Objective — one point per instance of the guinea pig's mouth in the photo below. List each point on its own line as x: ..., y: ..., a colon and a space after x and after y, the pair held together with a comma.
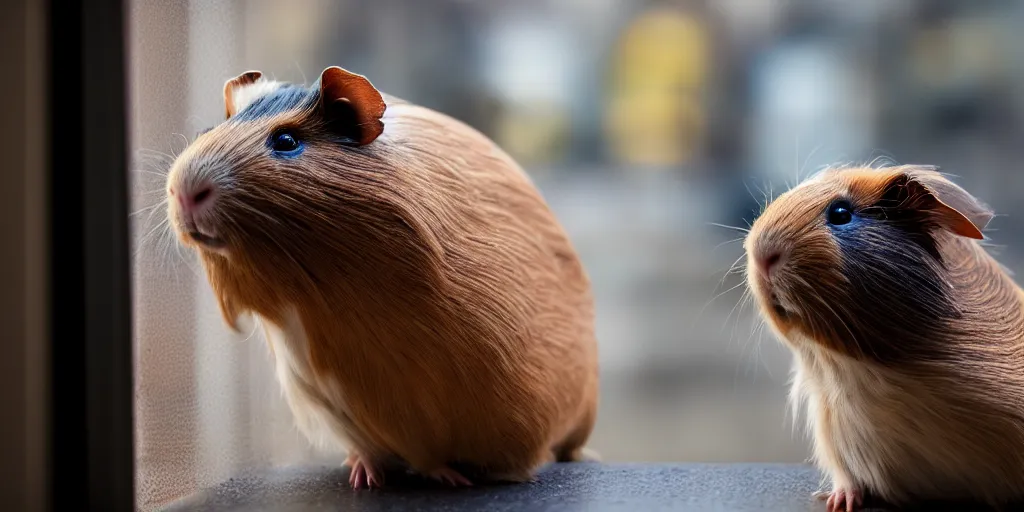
x: 206, y: 240
x: 779, y: 309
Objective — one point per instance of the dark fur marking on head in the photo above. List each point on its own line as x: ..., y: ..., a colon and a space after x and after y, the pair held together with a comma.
x: 898, y: 209
x: 896, y: 268
x: 898, y: 285
x: 285, y: 99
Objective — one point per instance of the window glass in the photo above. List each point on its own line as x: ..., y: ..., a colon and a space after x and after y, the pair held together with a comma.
x: 644, y: 124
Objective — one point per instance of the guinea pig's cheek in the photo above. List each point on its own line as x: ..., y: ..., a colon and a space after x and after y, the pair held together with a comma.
x: 778, y: 321
x: 181, y: 233
x: 778, y: 313
x: 221, y: 250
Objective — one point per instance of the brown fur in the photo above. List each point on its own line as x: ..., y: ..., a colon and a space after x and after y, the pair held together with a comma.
x: 908, y: 335
x: 447, y: 316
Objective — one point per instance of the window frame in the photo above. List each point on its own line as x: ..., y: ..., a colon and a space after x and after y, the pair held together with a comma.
x: 91, y: 430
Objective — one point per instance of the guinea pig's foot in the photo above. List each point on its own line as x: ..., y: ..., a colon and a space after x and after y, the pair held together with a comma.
x: 840, y: 500
x: 363, y: 474
x: 447, y: 475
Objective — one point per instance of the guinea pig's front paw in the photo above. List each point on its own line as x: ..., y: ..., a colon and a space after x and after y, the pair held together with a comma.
x: 364, y: 474
x: 842, y: 499
x: 449, y: 476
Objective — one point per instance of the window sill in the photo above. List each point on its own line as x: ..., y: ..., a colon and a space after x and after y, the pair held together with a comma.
x: 631, y: 487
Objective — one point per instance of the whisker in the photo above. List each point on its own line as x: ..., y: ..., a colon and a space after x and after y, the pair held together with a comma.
x: 185, y: 259
x: 184, y: 139
x: 760, y: 342
x: 713, y: 299
x: 149, y: 208
x: 170, y: 245
x: 731, y: 269
x: 299, y: 68
x: 148, y: 194
x: 737, y: 309
x: 726, y: 226
x: 727, y: 242
x: 763, y: 203
x: 152, y: 173
x: 739, y: 312
x: 751, y: 192
x: 256, y: 211
x: 740, y: 268
x: 144, y: 239
x: 153, y: 152
x: 810, y: 155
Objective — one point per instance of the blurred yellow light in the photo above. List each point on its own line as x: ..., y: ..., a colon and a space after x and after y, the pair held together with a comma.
x: 655, y: 115
x: 535, y: 136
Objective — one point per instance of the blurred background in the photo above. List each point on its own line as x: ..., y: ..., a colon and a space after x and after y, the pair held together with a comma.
x: 644, y: 123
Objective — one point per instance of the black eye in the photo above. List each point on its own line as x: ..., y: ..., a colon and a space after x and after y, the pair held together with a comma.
x: 285, y: 143
x: 839, y: 213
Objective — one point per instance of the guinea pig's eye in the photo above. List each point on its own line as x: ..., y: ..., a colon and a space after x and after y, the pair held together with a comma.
x: 285, y: 143
x: 839, y: 213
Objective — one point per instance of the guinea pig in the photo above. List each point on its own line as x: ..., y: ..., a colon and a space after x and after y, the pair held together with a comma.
x: 422, y: 304
x: 908, y: 337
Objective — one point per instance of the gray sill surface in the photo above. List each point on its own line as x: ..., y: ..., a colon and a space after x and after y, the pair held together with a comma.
x: 574, y: 486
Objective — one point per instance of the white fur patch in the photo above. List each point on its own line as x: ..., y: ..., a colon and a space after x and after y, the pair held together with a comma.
x: 892, y: 433
x: 315, y: 406
x: 245, y: 95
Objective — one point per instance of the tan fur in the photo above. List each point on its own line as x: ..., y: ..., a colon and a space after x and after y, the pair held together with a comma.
x: 936, y: 415
x: 422, y: 302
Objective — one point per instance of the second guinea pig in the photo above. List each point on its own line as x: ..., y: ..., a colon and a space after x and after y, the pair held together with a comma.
x: 423, y: 305
x: 908, y: 336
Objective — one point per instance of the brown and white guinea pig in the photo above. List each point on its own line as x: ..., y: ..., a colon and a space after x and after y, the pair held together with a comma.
x: 422, y: 304
x: 908, y: 336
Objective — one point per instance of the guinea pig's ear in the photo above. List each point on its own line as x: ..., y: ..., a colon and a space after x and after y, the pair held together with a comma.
x: 247, y: 78
x: 352, y: 107
x: 949, y: 205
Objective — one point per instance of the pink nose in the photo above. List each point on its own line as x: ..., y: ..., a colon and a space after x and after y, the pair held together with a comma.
x: 194, y: 199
